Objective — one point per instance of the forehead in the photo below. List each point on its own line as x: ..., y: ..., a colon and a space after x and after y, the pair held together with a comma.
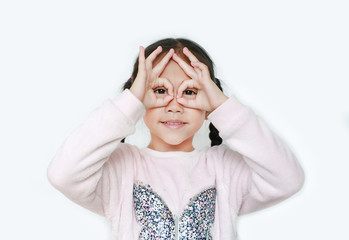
x: 174, y: 73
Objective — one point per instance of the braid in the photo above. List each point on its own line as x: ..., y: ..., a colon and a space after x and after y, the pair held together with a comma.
x: 214, y: 136
x: 214, y: 133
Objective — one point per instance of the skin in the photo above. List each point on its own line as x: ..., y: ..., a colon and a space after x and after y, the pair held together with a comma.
x: 177, y: 97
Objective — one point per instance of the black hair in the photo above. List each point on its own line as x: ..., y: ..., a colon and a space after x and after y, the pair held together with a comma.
x: 178, y: 44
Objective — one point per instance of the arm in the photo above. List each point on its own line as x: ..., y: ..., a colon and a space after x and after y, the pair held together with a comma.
x: 79, y: 168
x: 262, y: 169
x: 269, y: 172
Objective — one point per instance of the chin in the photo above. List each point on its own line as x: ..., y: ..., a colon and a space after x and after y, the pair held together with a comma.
x: 176, y: 141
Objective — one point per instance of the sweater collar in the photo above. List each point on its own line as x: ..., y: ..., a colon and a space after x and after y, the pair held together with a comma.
x: 169, y: 154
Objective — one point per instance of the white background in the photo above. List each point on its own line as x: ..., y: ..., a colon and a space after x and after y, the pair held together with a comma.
x: 288, y: 60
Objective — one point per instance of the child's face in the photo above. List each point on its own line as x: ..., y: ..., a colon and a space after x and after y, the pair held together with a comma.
x: 172, y: 127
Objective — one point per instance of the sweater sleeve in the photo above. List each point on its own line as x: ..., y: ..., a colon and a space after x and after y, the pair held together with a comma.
x: 262, y: 169
x: 80, y: 168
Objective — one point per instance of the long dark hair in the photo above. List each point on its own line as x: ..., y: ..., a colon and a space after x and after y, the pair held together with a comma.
x: 178, y: 44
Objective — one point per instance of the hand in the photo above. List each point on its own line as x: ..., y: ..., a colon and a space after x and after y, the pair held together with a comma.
x: 148, y: 87
x: 200, y: 91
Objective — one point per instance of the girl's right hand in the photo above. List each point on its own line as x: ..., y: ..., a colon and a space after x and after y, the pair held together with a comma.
x: 148, y: 87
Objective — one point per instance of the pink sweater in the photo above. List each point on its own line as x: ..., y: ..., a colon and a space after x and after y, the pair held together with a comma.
x: 146, y: 194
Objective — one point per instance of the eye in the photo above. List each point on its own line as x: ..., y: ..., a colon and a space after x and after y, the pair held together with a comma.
x: 189, y: 92
x: 160, y: 91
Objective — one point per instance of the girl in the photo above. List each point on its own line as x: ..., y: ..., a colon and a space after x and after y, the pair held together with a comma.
x: 169, y: 190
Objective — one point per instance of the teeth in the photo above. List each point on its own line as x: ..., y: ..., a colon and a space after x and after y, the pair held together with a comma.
x: 172, y: 123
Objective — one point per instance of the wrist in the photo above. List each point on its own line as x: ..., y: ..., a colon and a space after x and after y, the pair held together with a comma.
x: 129, y: 105
x: 136, y: 93
x: 218, y: 101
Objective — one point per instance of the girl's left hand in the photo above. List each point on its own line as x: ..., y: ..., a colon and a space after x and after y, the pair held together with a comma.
x: 203, y: 93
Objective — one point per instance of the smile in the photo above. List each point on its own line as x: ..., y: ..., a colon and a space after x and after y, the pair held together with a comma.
x: 174, y: 124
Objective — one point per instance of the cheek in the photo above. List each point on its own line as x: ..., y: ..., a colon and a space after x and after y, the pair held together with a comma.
x: 147, y: 118
x: 151, y: 116
x: 199, y: 117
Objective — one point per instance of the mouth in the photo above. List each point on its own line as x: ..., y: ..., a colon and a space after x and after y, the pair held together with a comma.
x: 173, y: 124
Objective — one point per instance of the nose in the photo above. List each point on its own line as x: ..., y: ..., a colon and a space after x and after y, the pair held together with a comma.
x: 174, y: 107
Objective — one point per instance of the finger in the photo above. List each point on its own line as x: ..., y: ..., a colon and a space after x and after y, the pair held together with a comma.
x: 152, y: 56
x: 182, y: 101
x: 167, y: 84
x: 190, y: 55
x: 189, y: 103
x: 186, y: 67
x: 141, y: 59
x: 185, y: 85
x: 162, y: 82
x: 200, y: 66
x: 162, y: 64
x: 162, y: 101
x: 197, y: 70
x: 194, y: 61
x: 167, y: 99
